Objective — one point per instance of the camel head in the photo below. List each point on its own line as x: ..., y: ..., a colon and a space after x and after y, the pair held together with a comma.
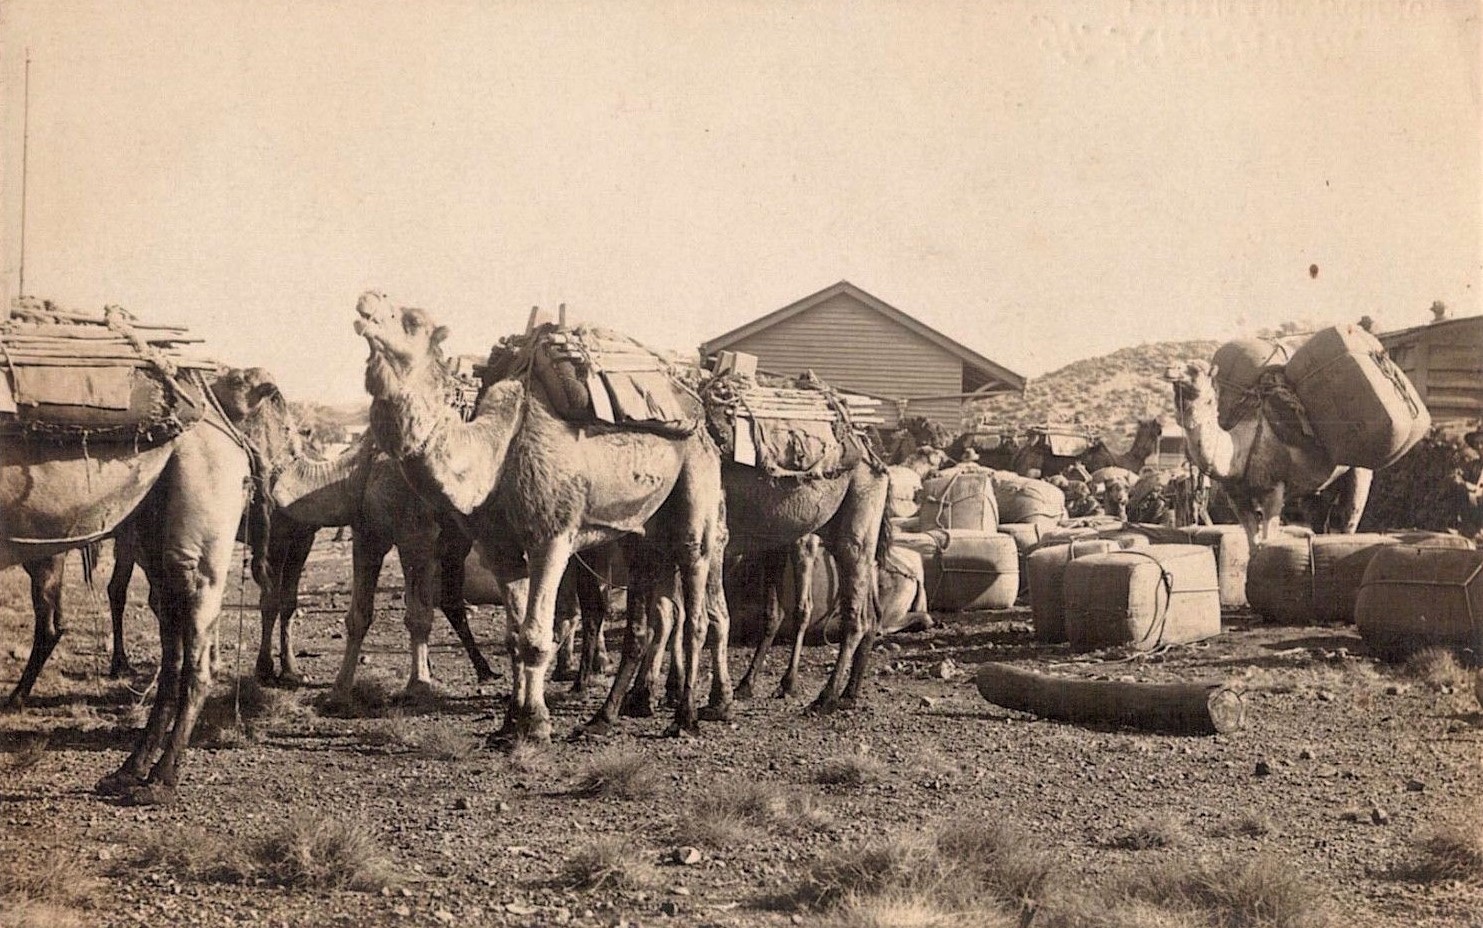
x: 404, y: 342
x: 1194, y: 389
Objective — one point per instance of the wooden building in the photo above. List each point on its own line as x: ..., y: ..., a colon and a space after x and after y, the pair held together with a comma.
x: 860, y: 343
x: 1444, y: 359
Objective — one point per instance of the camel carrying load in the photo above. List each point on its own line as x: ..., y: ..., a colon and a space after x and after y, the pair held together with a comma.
x: 789, y: 428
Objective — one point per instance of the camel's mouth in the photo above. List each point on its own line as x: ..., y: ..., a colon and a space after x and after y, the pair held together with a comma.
x: 371, y: 309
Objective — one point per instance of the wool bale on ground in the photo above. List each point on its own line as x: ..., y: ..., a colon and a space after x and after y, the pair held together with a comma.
x: 967, y: 570
x: 1143, y: 598
x: 1025, y: 500
x: 1416, y: 597
x: 1361, y: 406
x: 1302, y: 581
x: 962, y: 497
x: 1045, y: 570
x: 1232, y: 555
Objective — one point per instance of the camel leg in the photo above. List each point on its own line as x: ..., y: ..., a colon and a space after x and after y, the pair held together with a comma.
x: 453, y: 548
x: 1357, y: 496
x: 417, y: 616
x: 568, y: 665
x: 772, y: 564
x: 516, y: 594
x: 662, y: 613
x: 290, y: 571
x: 804, y: 557
x: 1271, y: 512
x: 537, y: 644
x: 854, y: 536
x: 46, y: 605
x: 718, y: 708
x: 132, y: 773
x: 366, y: 556
x: 118, y: 601
x: 694, y: 558
x: 592, y: 598
x: 637, y: 637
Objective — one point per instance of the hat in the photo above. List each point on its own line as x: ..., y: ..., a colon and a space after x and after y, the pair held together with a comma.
x: 1474, y: 439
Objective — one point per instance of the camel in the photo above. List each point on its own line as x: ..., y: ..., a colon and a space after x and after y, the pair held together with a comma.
x: 1261, y: 459
x: 186, y: 496
x: 531, y: 489
x: 1145, y: 443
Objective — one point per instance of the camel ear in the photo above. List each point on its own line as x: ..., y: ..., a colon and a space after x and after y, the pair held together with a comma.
x: 260, y: 393
x: 440, y: 333
x: 1214, y: 372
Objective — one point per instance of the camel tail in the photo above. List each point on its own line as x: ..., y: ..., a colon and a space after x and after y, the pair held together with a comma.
x: 885, y: 537
x: 90, y: 554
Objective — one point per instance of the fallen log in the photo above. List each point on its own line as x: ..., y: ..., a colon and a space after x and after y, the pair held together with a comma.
x: 1180, y: 708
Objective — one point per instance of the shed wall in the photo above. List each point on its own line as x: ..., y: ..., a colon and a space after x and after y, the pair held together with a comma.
x: 1445, y: 362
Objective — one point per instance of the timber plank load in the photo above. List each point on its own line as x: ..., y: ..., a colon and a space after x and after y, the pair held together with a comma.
x: 76, y: 378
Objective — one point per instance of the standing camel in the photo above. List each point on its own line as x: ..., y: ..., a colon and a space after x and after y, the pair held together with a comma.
x: 532, y: 489
x: 1262, y: 458
x: 1145, y: 443
x: 186, y: 496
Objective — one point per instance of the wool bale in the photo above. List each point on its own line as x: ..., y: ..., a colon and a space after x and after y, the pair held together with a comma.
x: 967, y: 570
x: 1416, y: 597
x: 963, y: 497
x: 1026, y: 535
x: 1302, y: 581
x: 1239, y: 364
x: 1126, y: 539
x: 1045, y: 570
x: 1025, y: 500
x: 1159, y: 534
x: 1143, y: 597
x: 1066, y: 533
x: 1434, y: 540
x: 1362, y: 407
x: 904, y: 499
x: 1232, y: 554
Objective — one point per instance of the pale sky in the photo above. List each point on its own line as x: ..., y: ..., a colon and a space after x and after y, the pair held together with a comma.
x: 1043, y: 181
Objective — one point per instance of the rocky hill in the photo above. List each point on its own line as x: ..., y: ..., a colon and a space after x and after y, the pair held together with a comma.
x: 1108, y: 394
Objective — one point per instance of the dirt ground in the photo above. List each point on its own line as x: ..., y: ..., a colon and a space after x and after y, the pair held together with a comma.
x: 1342, y: 766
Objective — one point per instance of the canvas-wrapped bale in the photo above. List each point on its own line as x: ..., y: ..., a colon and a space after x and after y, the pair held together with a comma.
x: 1417, y: 597
x: 1026, y: 500
x: 1361, y: 406
x: 1434, y: 540
x: 1232, y: 556
x: 1294, y: 580
x: 1045, y: 570
x: 902, y: 590
x: 967, y: 570
x: 1142, y: 598
x: 904, y: 500
x: 1239, y: 365
x: 962, y: 497
x: 1066, y: 533
x: 1159, y: 534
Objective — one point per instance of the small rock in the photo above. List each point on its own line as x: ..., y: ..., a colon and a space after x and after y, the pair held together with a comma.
x: 1394, y: 689
x: 501, y: 806
x: 669, y: 908
x: 461, y: 804
x: 1325, y: 696
x: 1415, y: 786
x: 687, y: 856
x: 1379, y: 816
x: 926, y: 702
x: 1263, y: 768
x: 444, y: 916
x: 521, y: 908
x: 945, y: 669
x: 402, y: 911
x: 1306, y: 754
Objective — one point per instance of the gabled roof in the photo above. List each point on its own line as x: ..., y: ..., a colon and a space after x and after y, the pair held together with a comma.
x: 966, y: 355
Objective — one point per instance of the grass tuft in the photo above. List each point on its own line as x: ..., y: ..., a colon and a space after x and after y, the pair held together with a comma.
x: 1001, y: 860
x: 528, y: 758
x: 46, y: 880
x: 889, y: 868
x: 850, y: 770
x: 1451, y: 851
x: 1438, y: 667
x: 1261, y: 891
x: 441, y: 742
x: 909, y: 911
x: 191, y: 853
x: 30, y: 750
x: 262, y: 709
x: 606, y: 863
x: 1156, y: 831
x: 617, y: 773
x: 321, y: 853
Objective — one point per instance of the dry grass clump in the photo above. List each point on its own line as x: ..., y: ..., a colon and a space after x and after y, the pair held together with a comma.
x: 25, y: 913
x: 1451, y: 851
x: 912, y: 912
x: 607, y: 863
x: 262, y: 709
x: 528, y: 758
x: 396, y: 731
x: 53, y: 881
x: 29, y: 750
x: 738, y: 812
x: 617, y: 773
x: 442, y: 742
x: 1249, y: 825
x: 307, y: 853
x: 1001, y: 860
x: 1262, y: 891
x: 1155, y: 831
x: 320, y: 853
x: 850, y: 770
x: 371, y: 696
x: 1438, y: 667
x: 890, y: 869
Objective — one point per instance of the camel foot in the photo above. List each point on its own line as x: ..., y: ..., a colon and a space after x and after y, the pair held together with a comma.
x: 595, y: 729
x: 291, y: 680
x: 563, y: 675
x: 263, y: 671
x: 533, y: 731
x: 743, y: 689
x: 826, y: 704
x: 147, y: 794
x: 121, y: 668
x: 486, y: 675
x: 638, y: 704
x: 786, y: 688
x: 118, y: 783
x: 678, y: 729
x: 416, y: 692
x: 719, y: 712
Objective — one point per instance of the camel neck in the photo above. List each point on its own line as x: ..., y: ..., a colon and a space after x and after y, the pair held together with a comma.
x: 1212, y: 448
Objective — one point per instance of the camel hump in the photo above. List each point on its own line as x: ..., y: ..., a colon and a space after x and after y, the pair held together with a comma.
x: 71, y: 378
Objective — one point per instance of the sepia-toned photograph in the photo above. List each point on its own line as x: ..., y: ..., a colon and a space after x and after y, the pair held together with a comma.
x: 744, y: 464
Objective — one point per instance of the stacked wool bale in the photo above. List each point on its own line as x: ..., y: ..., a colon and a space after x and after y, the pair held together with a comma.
x: 1414, y: 597
x: 1232, y: 558
x: 1142, y: 598
x: 968, y: 564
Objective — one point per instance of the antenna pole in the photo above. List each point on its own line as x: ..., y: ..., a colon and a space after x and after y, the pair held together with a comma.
x: 25, y: 146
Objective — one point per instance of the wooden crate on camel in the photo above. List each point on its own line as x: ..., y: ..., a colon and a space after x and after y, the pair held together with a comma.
x: 966, y: 569
x: 1415, y: 597
x: 1143, y: 598
x: 94, y: 401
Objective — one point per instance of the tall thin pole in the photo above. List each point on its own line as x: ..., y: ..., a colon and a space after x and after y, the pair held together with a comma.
x: 25, y: 146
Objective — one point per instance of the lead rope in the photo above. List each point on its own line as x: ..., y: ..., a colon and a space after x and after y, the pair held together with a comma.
x: 241, y: 609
